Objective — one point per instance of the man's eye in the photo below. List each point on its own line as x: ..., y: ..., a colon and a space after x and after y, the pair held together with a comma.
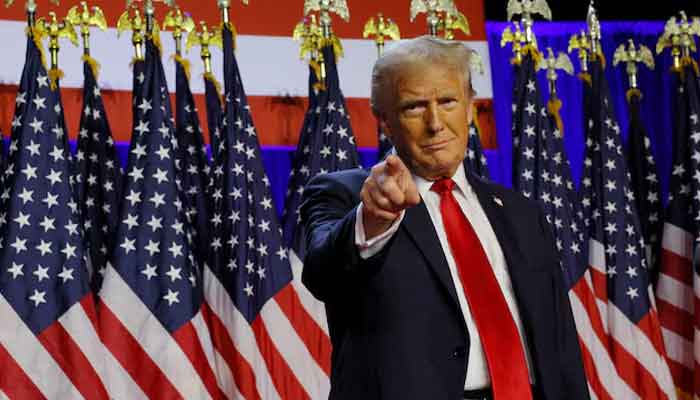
x: 414, y: 108
x: 448, y: 103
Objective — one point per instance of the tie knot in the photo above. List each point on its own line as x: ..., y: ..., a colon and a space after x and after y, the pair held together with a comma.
x: 443, y: 186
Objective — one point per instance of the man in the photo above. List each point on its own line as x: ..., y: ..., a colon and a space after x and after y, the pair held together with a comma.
x: 437, y: 285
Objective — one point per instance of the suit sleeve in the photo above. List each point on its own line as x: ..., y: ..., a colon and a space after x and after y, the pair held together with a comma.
x: 573, y: 375
x: 333, y: 267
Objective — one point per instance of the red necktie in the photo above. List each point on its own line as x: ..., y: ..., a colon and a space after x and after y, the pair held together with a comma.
x: 499, y: 336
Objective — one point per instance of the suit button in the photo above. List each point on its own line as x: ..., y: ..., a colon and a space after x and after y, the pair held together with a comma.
x: 459, y: 352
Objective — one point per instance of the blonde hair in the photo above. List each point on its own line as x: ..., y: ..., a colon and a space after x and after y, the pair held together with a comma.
x: 423, y: 51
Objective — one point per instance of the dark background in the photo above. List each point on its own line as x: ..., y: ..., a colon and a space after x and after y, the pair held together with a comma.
x: 563, y: 10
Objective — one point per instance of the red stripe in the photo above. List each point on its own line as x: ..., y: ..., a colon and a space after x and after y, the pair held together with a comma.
x: 283, y: 378
x: 696, y: 381
x: 682, y: 376
x: 278, y: 18
x: 14, y: 382
x: 243, y: 373
x: 133, y: 358
x: 585, y: 295
x: 675, y: 319
x: 188, y: 340
x: 72, y: 361
x: 278, y: 120
x: 651, y: 328
x: 315, y: 339
x: 592, y: 374
x: 677, y: 267
x: 634, y: 374
x: 88, y: 303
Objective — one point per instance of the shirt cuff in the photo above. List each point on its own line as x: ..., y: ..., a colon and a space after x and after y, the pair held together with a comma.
x: 369, y: 248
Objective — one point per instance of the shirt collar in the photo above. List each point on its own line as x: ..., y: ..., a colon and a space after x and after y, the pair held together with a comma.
x: 460, y: 179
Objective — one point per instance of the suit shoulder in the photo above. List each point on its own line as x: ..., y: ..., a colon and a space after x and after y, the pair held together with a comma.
x: 508, y: 195
x: 349, y: 179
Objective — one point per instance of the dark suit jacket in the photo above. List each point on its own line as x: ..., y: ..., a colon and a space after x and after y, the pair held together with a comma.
x: 395, y: 323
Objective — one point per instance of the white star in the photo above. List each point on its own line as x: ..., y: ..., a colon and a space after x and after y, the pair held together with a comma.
x: 16, y: 270
x: 41, y: 273
x: 134, y: 198
x: 29, y: 172
x: 19, y: 245
x: 47, y: 224
x: 23, y: 220
x: 160, y: 176
x: 136, y: 173
x: 44, y: 248
x: 175, y: 250
x: 632, y: 293
x: 177, y: 227
x: 37, y: 125
x: 145, y: 106
x: 66, y: 274
x: 149, y: 271
x: 155, y: 223
x: 40, y: 102
x: 163, y: 153
x: 174, y: 273
x: 50, y: 200
x: 128, y: 245
x: 69, y: 251
x: 325, y: 151
x: 139, y: 151
x: 282, y: 253
x: 71, y: 228
x: 632, y: 272
x: 157, y: 199
x: 54, y: 177
x: 153, y: 247
x: 33, y: 148
x: 171, y: 297
x: 248, y: 289
x: 38, y: 297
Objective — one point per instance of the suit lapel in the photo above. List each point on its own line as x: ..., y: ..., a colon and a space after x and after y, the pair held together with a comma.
x: 420, y: 228
x: 495, y: 209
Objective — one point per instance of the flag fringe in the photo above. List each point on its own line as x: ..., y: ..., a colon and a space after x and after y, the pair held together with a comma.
x: 94, y: 65
x: 55, y: 74
x: 185, y: 63
x: 553, y: 106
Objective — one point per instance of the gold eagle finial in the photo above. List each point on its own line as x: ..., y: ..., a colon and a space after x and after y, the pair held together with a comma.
x: 381, y: 28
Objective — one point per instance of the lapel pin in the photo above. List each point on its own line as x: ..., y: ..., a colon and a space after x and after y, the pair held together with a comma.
x: 498, y: 201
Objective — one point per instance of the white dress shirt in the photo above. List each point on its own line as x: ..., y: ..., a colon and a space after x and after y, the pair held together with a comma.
x: 477, y: 369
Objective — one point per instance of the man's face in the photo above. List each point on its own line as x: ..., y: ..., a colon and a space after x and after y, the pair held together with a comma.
x: 428, y: 120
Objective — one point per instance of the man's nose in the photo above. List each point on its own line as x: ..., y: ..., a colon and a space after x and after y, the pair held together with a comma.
x: 433, y: 118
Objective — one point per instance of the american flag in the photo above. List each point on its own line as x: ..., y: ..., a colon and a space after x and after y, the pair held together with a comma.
x: 99, y: 175
x: 544, y: 173
x: 259, y: 328
x: 49, y: 345
x: 645, y: 181
x: 191, y: 160
x: 620, y: 277
x: 678, y: 284
x: 213, y: 105
x: 2, y: 160
x: 150, y: 314
x: 476, y: 160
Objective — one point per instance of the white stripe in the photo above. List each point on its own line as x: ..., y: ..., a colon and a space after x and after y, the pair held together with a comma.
x: 294, y: 351
x: 600, y: 305
x: 678, y: 348
x: 677, y: 241
x: 591, y: 394
x: 223, y: 376
x: 609, y: 379
x: 204, y: 337
x: 269, y: 65
x: 676, y: 293
x: 76, y: 322
x: 240, y: 332
x: 151, y: 336
x: 32, y: 357
x: 596, y: 256
x: 3, y: 396
x: 314, y: 307
x: 636, y: 343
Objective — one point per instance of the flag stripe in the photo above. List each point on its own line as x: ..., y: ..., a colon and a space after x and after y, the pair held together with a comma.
x: 315, y: 339
x: 678, y: 348
x: 284, y: 379
x: 313, y: 307
x: 676, y: 320
x: 242, y: 337
x: 125, y: 348
x: 150, y: 335
x: 677, y: 294
x: 597, y: 342
x: 72, y: 360
x: 682, y: 376
x: 238, y: 367
x: 595, y: 386
x: 14, y: 382
x: 677, y: 240
x: 676, y: 267
x: 189, y: 342
x: 32, y: 357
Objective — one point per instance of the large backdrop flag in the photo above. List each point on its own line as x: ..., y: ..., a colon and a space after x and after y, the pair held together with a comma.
x: 677, y: 287
x: 191, y: 160
x: 49, y: 347
x: 616, y: 255
x: 99, y: 175
x: 476, y: 160
x: 150, y: 313
x: 266, y: 343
